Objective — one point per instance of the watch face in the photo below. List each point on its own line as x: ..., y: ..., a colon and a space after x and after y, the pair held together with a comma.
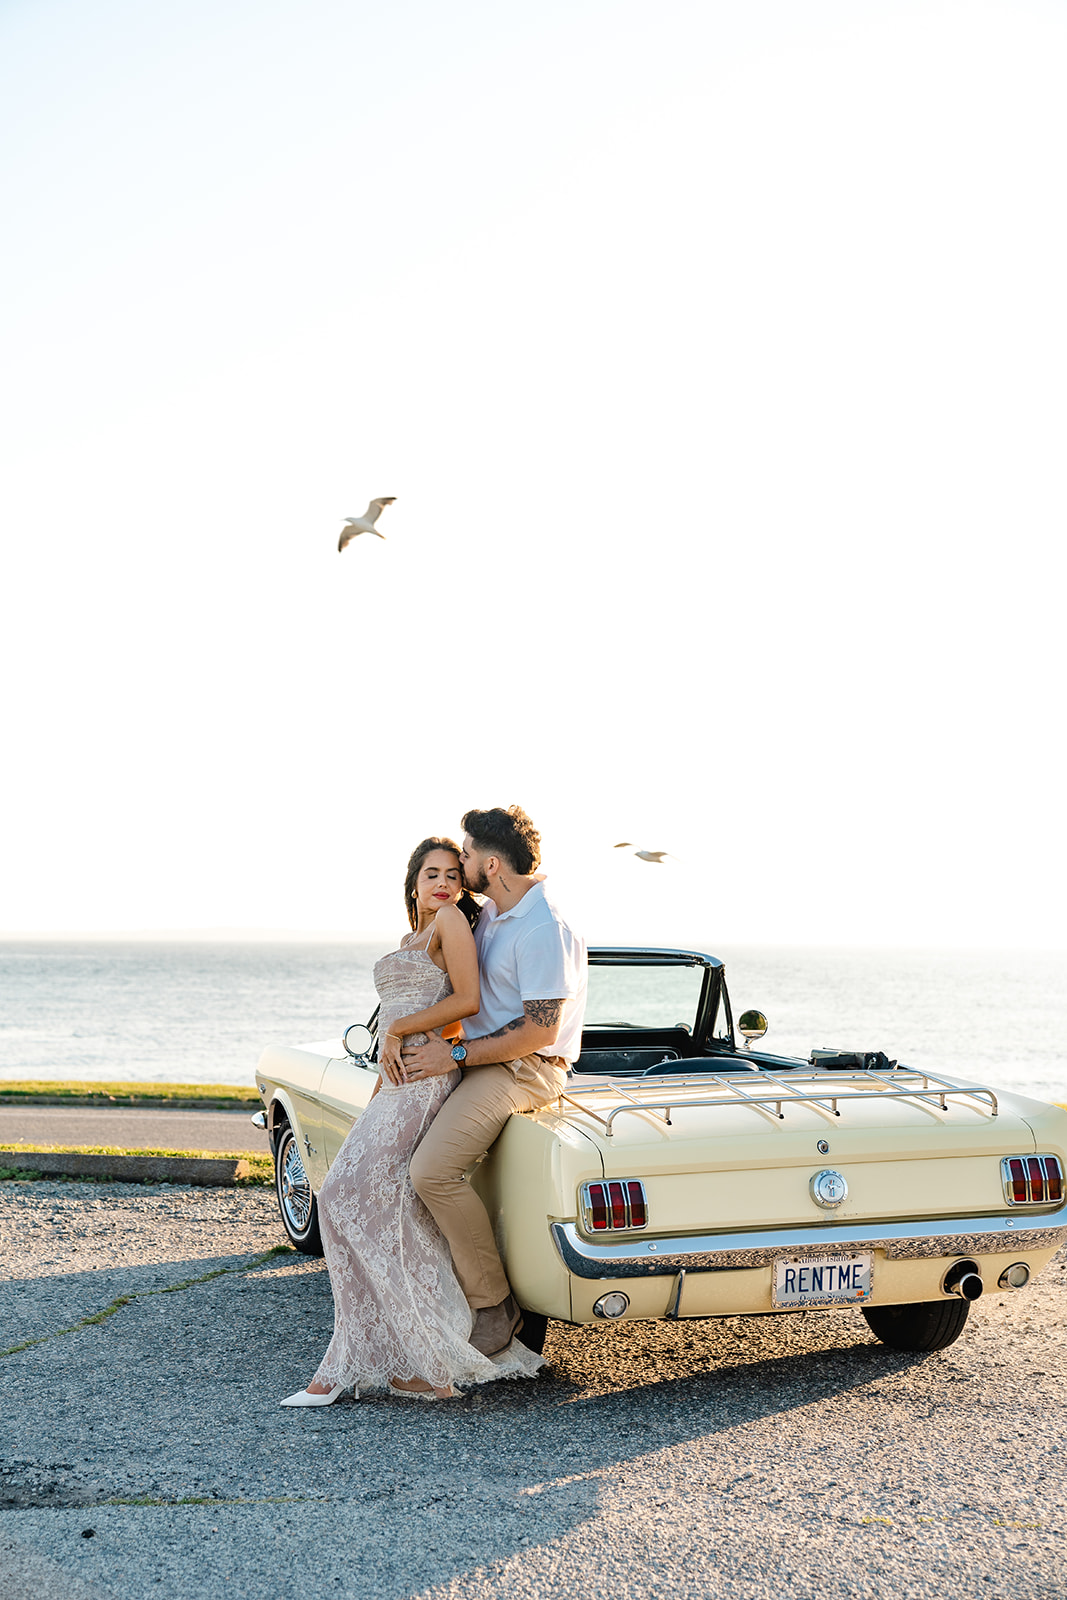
x: 459, y: 1052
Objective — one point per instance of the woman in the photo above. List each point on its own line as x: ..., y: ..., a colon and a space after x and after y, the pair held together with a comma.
x: 401, y: 1321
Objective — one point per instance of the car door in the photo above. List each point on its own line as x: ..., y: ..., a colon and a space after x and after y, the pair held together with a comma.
x: 344, y: 1092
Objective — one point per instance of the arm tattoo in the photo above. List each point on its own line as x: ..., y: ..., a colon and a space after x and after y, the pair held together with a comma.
x: 546, y: 1013
x: 509, y: 1027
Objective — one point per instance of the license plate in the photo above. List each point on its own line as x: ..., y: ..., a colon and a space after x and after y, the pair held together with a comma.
x: 823, y: 1280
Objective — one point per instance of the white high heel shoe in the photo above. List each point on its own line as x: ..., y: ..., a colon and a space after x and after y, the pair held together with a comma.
x: 302, y: 1398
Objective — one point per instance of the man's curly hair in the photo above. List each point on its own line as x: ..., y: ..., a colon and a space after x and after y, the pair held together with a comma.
x: 509, y: 834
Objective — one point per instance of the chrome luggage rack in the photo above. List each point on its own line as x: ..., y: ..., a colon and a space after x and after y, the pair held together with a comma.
x: 928, y: 1090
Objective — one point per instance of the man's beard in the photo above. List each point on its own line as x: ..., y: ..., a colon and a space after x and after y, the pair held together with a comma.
x: 477, y: 883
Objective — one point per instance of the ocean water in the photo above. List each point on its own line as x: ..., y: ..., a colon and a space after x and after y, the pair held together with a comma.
x: 201, y: 1013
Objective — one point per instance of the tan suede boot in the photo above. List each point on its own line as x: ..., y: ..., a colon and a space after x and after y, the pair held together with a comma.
x: 496, y: 1326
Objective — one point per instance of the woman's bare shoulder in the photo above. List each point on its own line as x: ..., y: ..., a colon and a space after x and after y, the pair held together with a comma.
x: 452, y: 925
x: 451, y: 916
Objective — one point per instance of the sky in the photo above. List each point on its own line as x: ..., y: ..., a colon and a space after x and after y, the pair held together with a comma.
x: 714, y: 355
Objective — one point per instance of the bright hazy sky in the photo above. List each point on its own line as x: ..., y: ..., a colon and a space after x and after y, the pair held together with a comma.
x: 715, y: 354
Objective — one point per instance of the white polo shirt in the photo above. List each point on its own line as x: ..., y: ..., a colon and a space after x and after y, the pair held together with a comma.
x: 530, y: 953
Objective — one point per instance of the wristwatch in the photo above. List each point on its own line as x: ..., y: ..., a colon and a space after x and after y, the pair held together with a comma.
x: 459, y: 1054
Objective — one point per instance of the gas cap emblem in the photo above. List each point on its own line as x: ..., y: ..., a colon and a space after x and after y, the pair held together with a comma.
x: 828, y: 1189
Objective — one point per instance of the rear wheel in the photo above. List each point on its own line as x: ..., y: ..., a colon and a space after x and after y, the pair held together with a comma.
x: 296, y: 1198
x: 931, y: 1325
x: 533, y: 1331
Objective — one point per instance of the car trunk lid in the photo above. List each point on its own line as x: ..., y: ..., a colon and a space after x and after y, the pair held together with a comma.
x: 732, y: 1162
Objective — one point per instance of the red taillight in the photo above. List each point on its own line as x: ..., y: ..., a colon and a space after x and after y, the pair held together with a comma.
x: 638, y: 1214
x: 598, y: 1205
x: 617, y: 1197
x: 1033, y: 1180
x: 1037, y: 1179
x: 615, y: 1206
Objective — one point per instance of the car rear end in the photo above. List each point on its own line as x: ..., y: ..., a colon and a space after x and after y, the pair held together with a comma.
x: 723, y: 1197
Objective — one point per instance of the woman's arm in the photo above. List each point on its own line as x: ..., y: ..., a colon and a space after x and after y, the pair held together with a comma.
x: 461, y: 963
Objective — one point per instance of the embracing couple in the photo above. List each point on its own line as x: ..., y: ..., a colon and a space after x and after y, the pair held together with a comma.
x: 421, y: 1302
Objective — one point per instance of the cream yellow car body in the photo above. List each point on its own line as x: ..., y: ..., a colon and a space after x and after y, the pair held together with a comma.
x: 728, y: 1181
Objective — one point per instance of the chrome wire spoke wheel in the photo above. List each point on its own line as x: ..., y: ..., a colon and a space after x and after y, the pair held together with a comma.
x: 296, y: 1197
x: 295, y: 1188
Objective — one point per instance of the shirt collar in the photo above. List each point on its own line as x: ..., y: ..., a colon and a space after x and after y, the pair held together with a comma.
x: 525, y: 905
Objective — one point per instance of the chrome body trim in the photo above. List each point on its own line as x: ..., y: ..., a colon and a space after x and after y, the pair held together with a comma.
x: 730, y: 1252
x: 673, y: 1311
x: 1043, y: 1163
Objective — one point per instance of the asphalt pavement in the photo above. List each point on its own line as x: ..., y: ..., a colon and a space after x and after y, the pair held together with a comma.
x: 131, y: 1128
x: 145, y: 1454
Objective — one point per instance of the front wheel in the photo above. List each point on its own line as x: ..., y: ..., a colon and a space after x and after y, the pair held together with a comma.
x: 930, y: 1325
x: 296, y: 1198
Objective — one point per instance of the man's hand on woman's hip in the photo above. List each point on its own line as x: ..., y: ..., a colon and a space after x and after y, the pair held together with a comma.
x: 430, y: 1060
x: 535, y: 1030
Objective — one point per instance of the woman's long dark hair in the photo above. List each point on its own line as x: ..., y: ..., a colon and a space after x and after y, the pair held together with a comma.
x: 469, y: 906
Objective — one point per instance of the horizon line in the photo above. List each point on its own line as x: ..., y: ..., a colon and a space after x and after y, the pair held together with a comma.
x: 239, y: 935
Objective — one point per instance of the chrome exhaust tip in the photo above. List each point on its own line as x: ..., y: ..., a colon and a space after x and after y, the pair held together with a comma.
x: 964, y: 1279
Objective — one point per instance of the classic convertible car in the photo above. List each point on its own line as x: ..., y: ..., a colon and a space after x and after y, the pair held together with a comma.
x: 683, y: 1175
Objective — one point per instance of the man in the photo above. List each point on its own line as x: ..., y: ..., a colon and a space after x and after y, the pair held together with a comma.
x: 515, y: 1057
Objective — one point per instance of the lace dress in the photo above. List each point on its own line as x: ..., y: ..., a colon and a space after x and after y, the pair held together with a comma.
x: 399, y: 1311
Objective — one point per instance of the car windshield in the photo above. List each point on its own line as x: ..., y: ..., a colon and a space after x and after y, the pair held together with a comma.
x: 643, y: 997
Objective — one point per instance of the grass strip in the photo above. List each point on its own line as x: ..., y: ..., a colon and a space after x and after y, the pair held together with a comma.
x: 219, y: 1096
x: 258, y: 1164
x: 98, y: 1317
x: 23, y: 1147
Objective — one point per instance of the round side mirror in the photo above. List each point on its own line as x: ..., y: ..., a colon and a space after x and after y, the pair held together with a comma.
x: 752, y: 1025
x: 357, y: 1041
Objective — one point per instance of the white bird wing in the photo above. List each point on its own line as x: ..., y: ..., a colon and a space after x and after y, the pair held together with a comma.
x: 374, y: 510
x: 658, y: 856
x: 356, y: 526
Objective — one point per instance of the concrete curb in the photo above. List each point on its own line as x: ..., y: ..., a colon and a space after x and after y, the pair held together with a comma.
x: 202, y: 1170
x: 108, y: 1102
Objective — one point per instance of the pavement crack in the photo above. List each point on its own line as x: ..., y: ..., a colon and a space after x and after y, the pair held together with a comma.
x: 72, y: 1500
x: 99, y: 1317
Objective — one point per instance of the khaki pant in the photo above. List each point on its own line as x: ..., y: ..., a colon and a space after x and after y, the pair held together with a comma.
x: 462, y: 1131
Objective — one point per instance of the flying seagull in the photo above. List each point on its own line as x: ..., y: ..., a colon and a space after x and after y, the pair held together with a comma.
x: 354, y: 526
x: 656, y: 856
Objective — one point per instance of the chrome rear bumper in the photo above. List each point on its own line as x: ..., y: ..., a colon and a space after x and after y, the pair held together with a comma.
x: 731, y: 1252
